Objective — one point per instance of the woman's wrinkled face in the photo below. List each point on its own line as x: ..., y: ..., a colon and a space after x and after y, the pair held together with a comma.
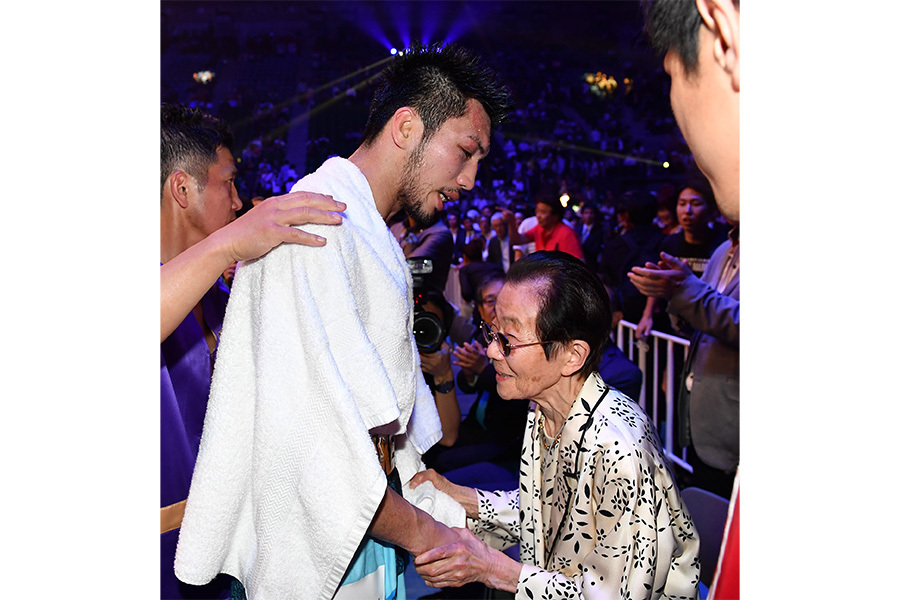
x: 526, y: 372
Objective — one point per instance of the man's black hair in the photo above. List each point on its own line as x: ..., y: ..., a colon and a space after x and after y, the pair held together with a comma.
x: 700, y: 184
x: 474, y: 249
x: 436, y: 81
x: 489, y: 279
x: 189, y: 141
x: 674, y: 25
x: 641, y: 206
x: 549, y: 195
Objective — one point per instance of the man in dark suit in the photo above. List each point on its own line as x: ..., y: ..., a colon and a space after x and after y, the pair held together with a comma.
x: 475, y: 270
x: 637, y: 246
x: 458, y: 234
x: 500, y: 248
x: 590, y: 235
x: 708, y: 307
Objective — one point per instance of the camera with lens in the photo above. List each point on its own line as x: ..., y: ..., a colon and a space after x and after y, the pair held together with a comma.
x: 430, y: 311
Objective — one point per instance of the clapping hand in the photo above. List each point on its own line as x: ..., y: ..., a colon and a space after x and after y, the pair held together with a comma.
x: 471, y: 358
x: 660, y: 280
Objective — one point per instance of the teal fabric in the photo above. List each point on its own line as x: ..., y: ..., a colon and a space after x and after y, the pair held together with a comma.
x: 373, y: 554
x: 480, y: 408
x: 369, y: 558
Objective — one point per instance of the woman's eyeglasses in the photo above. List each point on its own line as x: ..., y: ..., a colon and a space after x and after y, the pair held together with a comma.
x: 505, y: 347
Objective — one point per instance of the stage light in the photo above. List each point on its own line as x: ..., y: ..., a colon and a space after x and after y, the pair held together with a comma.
x: 601, y: 84
x: 666, y: 165
x: 204, y: 77
x: 393, y: 51
x: 565, y: 200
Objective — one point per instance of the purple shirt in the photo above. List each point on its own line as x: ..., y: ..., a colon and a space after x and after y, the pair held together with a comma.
x: 185, y: 375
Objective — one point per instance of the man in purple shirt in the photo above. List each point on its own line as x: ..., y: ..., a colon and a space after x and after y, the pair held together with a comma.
x: 199, y: 239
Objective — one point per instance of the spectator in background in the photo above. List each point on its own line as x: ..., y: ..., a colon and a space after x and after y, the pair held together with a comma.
x: 434, y: 242
x: 457, y: 233
x: 666, y: 215
x: 470, y: 226
x: 484, y: 226
x: 590, y: 235
x: 621, y: 219
x: 287, y: 175
x: 519, y: 217
x: 637, y: 245
x: 268, y: 184
x: 500, y: 247
x: 607, y: 215
x: 695, y: 242
x: 523, y: 224
x: 475, y: 270
x: 698, y: 236
x: 550, y: 233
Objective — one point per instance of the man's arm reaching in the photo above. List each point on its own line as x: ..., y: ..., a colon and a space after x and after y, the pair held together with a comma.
x: 187, y: 277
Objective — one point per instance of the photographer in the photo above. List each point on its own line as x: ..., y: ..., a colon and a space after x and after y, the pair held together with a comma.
x: 434, y: 242
x: 432, y: 320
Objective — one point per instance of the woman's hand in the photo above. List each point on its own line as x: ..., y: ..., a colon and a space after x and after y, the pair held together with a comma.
x: 466, y: 496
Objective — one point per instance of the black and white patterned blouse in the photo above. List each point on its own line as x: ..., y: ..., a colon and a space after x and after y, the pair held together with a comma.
x: 599, y: 514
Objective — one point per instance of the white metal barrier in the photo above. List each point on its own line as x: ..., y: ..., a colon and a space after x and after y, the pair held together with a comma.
x: 625, y: 340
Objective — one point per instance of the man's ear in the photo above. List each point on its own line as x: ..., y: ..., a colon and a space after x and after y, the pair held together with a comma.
x: 178, y: 183
x: 406, y: 128
x: 578, y: 352
x: 723, y: 19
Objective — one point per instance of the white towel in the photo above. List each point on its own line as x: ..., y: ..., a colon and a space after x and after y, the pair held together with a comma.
x: 316, y: 350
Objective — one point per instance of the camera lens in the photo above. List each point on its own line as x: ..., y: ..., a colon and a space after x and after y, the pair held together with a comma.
x: 428, y: 331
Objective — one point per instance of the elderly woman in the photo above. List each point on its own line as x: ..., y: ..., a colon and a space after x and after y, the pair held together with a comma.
x: 597, y: 512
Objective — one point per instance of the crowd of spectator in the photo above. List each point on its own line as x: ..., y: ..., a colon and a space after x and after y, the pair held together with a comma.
x: 593, y: 146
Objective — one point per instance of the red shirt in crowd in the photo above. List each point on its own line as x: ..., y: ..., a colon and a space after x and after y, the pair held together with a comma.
x: 561, y: 237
